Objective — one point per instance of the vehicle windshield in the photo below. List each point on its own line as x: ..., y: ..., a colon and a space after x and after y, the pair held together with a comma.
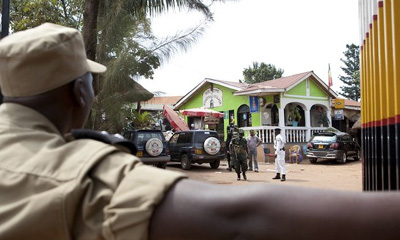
x: 322, y: 138
x: 203, y: 136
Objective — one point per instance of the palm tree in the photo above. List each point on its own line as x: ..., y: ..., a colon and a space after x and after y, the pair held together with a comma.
x: 124, y: 25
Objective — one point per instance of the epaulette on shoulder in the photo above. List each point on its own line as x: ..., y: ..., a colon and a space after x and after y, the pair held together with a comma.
x: 104, y: 137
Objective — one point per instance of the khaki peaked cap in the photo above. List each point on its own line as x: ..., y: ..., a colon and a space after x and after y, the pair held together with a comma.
x: 41, y: 59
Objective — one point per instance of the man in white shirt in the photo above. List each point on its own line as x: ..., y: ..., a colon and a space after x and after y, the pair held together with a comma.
x: 279, y: 145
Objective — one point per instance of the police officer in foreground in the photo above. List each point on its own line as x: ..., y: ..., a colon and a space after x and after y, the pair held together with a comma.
x: 279, y: 146
x: 58, y: 187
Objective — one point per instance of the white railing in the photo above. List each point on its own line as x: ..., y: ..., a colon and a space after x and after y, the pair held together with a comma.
x: 292, y: 134
x: 296, y: 134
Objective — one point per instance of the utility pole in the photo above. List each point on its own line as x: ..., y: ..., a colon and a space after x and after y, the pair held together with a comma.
x: 5, y: 25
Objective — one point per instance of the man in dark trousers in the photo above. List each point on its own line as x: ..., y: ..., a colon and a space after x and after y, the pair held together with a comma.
x: 239, y: 151
x: 227, y: 147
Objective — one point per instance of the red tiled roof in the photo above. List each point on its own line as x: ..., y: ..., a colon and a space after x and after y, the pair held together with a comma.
x: 169, y: 100
x: 349, y: 102
x: 280, y: 83
x: 234, y: 84
x: 284, y: 82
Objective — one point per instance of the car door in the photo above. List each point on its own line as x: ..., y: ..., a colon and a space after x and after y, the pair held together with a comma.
x: 184, y: 144
x: 172, y: 145
x: 348, y: 146
x: 352, y: 145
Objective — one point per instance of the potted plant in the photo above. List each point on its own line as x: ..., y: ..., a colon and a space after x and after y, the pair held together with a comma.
x: 323, y: 119
x: 295, y: 115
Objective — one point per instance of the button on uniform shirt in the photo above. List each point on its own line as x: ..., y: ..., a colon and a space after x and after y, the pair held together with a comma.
x: 83, y: 189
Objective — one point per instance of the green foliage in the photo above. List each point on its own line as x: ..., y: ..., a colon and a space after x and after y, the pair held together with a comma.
x: 323, y: 118
x: 261, y: 72
x: 25, y: 14
x: 294, y: 114
x: 117, y: 33
x: 351, y: 80
x: 139, y: 120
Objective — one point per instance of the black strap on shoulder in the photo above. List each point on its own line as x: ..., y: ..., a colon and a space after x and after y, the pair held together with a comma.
x: 104, y: 137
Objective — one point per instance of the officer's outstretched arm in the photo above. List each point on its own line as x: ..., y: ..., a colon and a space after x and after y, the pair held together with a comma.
x: 197, y: 210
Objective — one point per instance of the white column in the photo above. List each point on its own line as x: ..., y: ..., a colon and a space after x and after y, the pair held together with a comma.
x: 282, y: 121
x: 328, y: 115
x: 308, y: 123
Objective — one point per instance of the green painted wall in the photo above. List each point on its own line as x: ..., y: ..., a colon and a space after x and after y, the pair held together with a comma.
x: 270, y: 99
x: 299, y: 89
x: 230, y: 102
x: 315, y: 91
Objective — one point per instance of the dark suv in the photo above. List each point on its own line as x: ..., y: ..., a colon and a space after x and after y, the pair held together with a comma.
x: 330, y: 145
x: 196, y: 146
x: 151, y: 146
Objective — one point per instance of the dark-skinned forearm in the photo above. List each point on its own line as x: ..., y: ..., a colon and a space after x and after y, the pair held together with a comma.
x: 194, y: 210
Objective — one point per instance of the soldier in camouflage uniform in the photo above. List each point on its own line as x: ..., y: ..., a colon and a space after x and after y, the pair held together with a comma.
x: 238, y: 148
x: 231, y: 129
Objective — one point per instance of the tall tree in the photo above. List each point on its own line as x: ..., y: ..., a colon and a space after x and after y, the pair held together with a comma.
x: 25, y: 14
x: 261, y: 72
x: 126, y: 45
x: 117, y: 33
x: 351, y: 89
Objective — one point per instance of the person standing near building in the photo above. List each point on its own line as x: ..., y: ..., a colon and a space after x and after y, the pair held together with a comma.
x: 253, y: 142
x: 228, y: 153
x: 279, y: 145
x: 239, y: 152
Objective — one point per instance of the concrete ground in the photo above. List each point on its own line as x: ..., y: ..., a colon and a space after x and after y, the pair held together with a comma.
x: 324, y: 174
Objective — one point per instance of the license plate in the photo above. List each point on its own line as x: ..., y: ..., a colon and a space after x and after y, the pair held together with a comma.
x: 320, y: 146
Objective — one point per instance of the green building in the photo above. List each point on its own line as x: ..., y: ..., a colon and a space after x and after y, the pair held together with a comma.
x: 300, y: 105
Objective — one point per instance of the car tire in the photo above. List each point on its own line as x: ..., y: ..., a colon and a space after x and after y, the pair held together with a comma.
x: 343, y: 159
x: 358, y: 156
x: 212, y: 145
x: 185, y: 162
x: 313, y: 160
x: 215, y: 164
x: 154, y: 147
x: 162, y: 165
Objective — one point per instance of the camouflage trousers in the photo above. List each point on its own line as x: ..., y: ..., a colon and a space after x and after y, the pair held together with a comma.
x: 239, y: 163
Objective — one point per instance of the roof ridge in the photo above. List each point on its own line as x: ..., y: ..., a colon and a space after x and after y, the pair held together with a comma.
x: 267, y: 82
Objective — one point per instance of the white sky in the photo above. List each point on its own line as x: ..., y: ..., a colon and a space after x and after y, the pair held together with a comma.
x: 295, y: 35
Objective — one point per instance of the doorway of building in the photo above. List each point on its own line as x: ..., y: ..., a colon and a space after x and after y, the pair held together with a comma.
x: 274, y: 115
x: 244, y: 116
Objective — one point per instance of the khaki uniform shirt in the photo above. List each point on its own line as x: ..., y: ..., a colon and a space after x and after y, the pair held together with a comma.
x: 83, y: 189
